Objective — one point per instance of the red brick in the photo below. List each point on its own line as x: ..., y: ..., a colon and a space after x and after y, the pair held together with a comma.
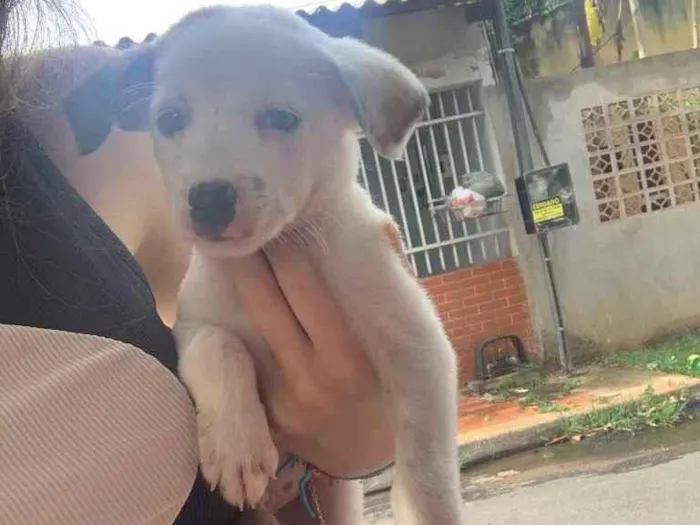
x: 465, y: 341
x: 467, y: 312
x: 467, y: 329
x: 440, y: 299
x: 515, y: 290
x: 451, y: 324
x: 516, y: 300
x: 502, y: 274
x: 443, y: 309
x: 522, y: 329
x: 519, y: 291
x: 468, y: 291
x: 497, y: 304
x: 440, y: 288
x: 510, y: 263
x: 456, y: 294
x: 457, y: 276
x: 509, y: 292
x: 519, y: 308
x: 478, y: 299
x: 499, y: 326
x: 458, y: 332
x: 469, y: 281
x: 514, y: 282
x: 486, y: 269
x: 479, y: 303
x: 471, y: 323
x: 450, y: 305
x: 483, y: 317
x: 482, y: 272
x: 434, y: 280
x: 521, y: 318
x: 492, y: 286
x: 435, y: 296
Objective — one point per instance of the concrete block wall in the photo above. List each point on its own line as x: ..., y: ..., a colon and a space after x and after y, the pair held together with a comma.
x: 479, y: 303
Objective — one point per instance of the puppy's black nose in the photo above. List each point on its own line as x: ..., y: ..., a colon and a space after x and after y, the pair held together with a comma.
x: 212, y: 207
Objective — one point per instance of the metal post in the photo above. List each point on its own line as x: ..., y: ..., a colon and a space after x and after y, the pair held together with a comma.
x: 584, y: 35
x: 506, y: 54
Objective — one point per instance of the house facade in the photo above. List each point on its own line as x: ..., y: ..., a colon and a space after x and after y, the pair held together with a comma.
x: 470, y: 268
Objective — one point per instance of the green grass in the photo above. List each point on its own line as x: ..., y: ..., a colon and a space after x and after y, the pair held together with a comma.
x: 650, y: 411
x: 673, y: 356
x: 534, y: 387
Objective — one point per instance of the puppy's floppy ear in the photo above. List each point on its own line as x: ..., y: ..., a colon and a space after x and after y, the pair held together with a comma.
x: 117, y: 93
x: 135, y: 91
x: 388, y: 98
x: 90, y: 109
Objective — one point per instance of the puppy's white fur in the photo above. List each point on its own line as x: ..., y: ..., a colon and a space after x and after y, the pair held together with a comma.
x: 221, y: 66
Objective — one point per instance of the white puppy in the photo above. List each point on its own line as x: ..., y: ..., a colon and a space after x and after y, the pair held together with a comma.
x: 254, y: 116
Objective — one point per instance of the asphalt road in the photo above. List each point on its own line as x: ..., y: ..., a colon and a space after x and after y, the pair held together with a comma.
x: 638, y: 481
x: 665, y: 494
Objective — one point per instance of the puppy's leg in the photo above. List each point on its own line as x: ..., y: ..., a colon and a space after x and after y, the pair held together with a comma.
x: 400, y: 329
x: 424, y: 392
x: 236, y: 449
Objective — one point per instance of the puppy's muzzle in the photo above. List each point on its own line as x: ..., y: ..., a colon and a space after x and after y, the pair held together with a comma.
x: 212, y: 207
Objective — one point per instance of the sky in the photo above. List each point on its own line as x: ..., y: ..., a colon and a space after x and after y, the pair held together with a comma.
x: 113, y: 19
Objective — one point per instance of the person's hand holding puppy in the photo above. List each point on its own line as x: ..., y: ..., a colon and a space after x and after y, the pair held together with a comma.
x: 327, y: 392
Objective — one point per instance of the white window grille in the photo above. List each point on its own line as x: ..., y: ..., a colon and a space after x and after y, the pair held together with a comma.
x: 451, y: 141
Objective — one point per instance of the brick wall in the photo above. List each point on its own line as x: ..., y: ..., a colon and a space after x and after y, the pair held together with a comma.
x: 476, y: 304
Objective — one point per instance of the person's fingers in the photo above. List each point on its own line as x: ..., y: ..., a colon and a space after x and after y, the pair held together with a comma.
x: 314, y: 307
x: 267, y: 307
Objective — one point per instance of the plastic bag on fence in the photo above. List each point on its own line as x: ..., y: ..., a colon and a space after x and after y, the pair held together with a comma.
x: 468, y: 203
x: 484, y: 183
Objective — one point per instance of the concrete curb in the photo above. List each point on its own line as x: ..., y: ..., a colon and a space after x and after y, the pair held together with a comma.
x: 495, y: 447
x: 483, y: 450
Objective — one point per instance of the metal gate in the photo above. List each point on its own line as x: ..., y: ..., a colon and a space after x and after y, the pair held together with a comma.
x: 450, y: 142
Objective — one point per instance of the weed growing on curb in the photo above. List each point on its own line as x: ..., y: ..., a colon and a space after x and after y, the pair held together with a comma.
x: 650, y: 411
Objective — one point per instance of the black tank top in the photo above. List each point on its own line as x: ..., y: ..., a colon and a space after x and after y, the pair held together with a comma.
x: 62, y: 268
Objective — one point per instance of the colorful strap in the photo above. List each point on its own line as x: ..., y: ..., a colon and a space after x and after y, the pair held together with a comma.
x: 307, y: 490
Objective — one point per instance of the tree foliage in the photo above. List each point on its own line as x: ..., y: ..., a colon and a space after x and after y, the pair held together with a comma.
x: 519, y: 11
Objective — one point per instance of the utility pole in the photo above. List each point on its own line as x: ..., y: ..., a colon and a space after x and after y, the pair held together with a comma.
x: 584, y: 35
x: 694, y: 22
x: 506, y: 55
x: 634, y: 13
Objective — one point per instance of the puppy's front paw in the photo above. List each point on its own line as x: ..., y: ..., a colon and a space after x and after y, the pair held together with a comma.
x: 238, y: 457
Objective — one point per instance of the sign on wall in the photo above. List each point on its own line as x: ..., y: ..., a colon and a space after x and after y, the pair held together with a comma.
x: 547, y: 199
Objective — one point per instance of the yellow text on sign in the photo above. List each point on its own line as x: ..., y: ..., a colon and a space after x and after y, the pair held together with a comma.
x: 549, y: 210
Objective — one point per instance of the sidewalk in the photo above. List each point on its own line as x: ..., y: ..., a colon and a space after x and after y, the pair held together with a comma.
x: 491, y: 429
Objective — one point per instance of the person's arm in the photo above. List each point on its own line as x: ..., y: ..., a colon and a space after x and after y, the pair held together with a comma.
x: 326, y: 383
x: 93, y: 431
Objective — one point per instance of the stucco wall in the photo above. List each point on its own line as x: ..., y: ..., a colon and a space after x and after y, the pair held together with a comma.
x: 625, y: 281
x: 439, y: 45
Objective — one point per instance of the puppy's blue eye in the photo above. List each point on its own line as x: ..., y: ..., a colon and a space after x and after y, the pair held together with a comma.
x: 278, y: 120
x: 171, y: 122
